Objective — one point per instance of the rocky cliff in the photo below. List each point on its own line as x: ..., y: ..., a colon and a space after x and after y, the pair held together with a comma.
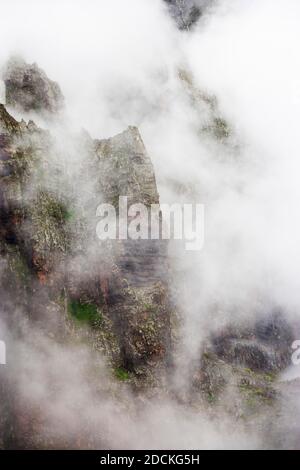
x: 29, y: 89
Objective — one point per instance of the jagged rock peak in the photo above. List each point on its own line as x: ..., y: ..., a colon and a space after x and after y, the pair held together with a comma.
x: 28, y: 88
x: 187, y: 12
x: 126, y: 168
x: 7, y: 122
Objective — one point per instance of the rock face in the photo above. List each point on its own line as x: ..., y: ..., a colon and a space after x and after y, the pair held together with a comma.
x: 187, y: 12
x: 266, y: 347
x: 114, y: 297
x: 129, y: 284
x: 243, y: 363
x: 119, y: 301
x: 28, y: 88
x: 126, y: 169
x: 137, y: 290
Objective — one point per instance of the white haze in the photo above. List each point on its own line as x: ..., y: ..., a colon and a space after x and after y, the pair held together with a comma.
x: 117, y: 64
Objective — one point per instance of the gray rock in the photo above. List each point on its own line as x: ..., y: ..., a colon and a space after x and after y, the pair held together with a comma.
x: 128, y: 279
x: 136, y: 288
x: 187, y: 12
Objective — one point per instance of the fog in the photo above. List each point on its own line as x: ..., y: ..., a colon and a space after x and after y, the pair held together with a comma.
x: 118, y: 64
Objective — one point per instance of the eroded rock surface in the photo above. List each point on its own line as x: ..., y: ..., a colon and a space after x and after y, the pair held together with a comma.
x: 113, y: 295
x: 187, y: 12
x: 265, y: 347
x: 129, y: 285
x: 119, y: 300
x: 28, y: 88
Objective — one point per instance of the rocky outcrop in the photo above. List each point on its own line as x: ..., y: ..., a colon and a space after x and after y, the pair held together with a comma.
x: 128, y: 281
x: 125, y: 169
x: 187, y: 12
x: 118, y: 303
x: 29, y: 89
x: 239, y: 367
x: 113, y: 295
x: 265, y: 347
x: 137, y: 288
